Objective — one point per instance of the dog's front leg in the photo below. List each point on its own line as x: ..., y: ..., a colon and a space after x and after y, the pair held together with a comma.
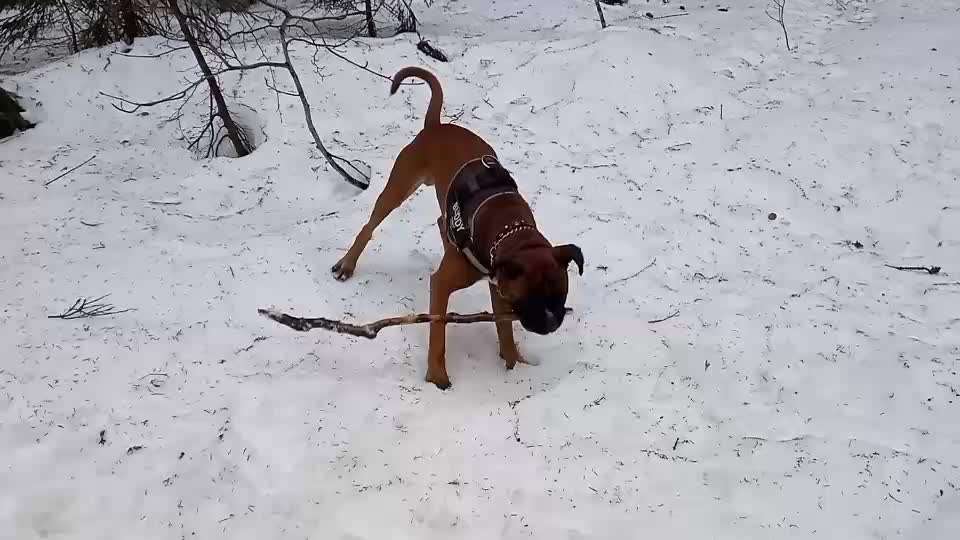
x: 508, y: 345
x: 453, y: 275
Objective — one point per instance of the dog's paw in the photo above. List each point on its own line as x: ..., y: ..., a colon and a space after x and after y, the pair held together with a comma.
x: 513, y: 359
x: 441, y: 381
x: 528, y: 361
x: 342, y: 271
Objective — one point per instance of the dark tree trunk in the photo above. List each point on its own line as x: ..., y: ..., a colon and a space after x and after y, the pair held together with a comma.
x: 233, y: 130
x: 129, y: 21
x: 368, y: 10
x: 73, y: 27
x: 603, y: 20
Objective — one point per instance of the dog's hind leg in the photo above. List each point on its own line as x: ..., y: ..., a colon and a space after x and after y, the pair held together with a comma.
x: 404, y: 180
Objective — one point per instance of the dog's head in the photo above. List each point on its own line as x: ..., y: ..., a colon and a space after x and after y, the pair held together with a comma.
x: 534, y: 282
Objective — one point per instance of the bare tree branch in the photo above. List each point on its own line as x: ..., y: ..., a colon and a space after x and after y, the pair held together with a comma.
x: 331, y: 159
x: 780, y: 6
x: 222, y: 44
x: 233, y: 130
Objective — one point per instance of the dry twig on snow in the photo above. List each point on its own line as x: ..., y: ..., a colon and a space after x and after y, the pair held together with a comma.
x: 370, y: 330
x: 932, y: 270
x: 635, y: 274
x: 667, y: 318
x: 69, y: 171
x: 84, y: 308
x: 671, y: 16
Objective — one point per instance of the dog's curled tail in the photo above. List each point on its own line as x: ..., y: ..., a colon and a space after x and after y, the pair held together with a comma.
x: 436, y: 93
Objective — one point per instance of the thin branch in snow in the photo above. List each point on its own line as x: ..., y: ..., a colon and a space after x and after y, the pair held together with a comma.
x: 635, y: 274
x: 932, y: 270
x: 154, y: 383
x: 84, y: 308
x: 764, y: 439
x: 363, y: 67
x: 137, y: 105
x: 669, y: 16
x: 516, y: 417
x: 595, y: 402
x: 667, y: 318
x: 428, y: 49
x: 160, y: 54
x: 704, y: 277
x: 665, y: 457
x: 70, y: 171
x: 708, y: 219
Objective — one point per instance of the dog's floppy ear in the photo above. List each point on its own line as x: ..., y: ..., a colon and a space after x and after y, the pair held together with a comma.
x: 569, y: 252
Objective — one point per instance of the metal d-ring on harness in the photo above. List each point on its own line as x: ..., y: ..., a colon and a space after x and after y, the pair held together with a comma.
x: 476, y: 183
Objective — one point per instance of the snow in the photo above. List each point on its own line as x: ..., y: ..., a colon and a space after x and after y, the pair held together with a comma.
x: 803, y: 390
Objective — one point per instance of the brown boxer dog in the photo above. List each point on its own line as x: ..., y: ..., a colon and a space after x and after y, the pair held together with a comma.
x: 487, y: 228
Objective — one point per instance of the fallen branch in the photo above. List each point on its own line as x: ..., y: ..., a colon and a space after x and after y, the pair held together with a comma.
x: 370, y: 330
x: 764, y: 439
x: 70, y: 171
x: 635, y: 274
x: 84, y: 308
x: 932, y: 270
x: 650, y: 16
x: 595, y: 402
x: 667, y: 318
x: 426, y: 48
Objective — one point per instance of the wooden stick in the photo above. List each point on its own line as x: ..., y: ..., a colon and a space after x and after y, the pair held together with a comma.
x: 370, y: 330
x: 70, y: 171
x: 667, y: 318
x: 671, y: 16
x: 932, y: 270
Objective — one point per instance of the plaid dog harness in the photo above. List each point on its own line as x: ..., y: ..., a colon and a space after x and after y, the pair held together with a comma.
x: 477, y: 182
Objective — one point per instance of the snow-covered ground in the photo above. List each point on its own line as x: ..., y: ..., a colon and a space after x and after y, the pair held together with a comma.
x: 803, y: 390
